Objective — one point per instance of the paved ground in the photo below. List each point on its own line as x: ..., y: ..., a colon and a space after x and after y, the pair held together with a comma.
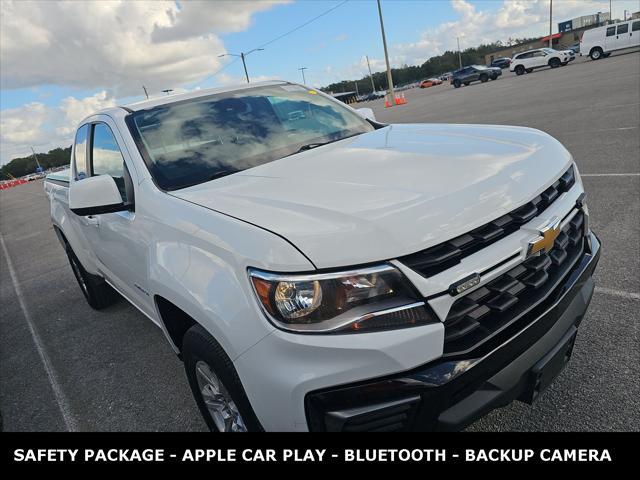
x: 64, y: 366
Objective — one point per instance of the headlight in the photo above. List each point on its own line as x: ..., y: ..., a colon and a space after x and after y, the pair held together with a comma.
x: 373, y: 298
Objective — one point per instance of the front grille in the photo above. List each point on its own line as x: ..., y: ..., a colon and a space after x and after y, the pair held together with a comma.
x: 486, y: 311
x: 445, y: 255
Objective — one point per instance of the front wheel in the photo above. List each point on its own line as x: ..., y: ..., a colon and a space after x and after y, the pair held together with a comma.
x: 96, y: 291
x: 466, y: 84
x: 215, y: 384
x: 484, y: 78
x: 596, y: 53
x: 554, y: 62
x: 519, y: 70
x: 456, y: 83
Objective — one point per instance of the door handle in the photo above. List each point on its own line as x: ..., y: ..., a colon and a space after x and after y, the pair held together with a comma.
x: 92, y: 220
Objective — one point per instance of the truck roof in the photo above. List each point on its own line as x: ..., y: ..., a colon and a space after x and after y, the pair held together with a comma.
x: 167, y: 99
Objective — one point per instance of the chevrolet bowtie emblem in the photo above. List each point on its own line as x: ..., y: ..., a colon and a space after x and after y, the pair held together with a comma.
x: 544, y: 243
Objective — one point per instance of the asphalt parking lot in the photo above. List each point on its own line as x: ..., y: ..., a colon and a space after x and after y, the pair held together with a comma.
x: 64, y: 366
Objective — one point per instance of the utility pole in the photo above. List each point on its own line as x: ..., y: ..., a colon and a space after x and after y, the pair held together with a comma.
x: 39, y: 169
x: 357, y: 93
x: 386, y: 58
x: 373, y: 86
x: 242, y: 55
x: 145, y: 92
x: 550, y: 23
x: 610, y: 13
x: 302, y: 69
x: 459, y: 54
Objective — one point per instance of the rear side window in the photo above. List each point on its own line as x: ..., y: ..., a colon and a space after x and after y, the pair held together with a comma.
x: 624, y: 28
x: 80, y: 152
x: 635, y: 26
x: 106, y: 158
x: 611, y: 31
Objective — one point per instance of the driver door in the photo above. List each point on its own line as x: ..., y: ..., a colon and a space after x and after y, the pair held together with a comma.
x: 119, y: 244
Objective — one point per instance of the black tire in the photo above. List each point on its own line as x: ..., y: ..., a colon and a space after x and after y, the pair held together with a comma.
x: 606, y: 55
x: 596, y: 53
x: 484, y: 78
x: 519, y: 70
x: 198, y: 345
x: 564, y: 64
x: 96, y: 291
x: 466, y: 84
x: 456, y: 83
x: 554, y: 62
x: 529, y: 70
x: 494, y: 77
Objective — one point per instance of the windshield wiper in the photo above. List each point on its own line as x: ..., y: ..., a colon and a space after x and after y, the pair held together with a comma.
x: 309, y: 146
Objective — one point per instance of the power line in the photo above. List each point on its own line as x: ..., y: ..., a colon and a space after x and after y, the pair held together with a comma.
x: 304, y: 24
x: 326, y: 12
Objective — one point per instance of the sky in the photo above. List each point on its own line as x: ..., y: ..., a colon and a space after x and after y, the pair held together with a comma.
x: 62, y: 60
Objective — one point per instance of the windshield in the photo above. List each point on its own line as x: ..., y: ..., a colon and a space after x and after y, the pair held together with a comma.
x: 549, y: 50
x: 193, y: 141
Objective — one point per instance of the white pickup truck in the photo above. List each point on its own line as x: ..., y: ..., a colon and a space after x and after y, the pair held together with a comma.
x: 318, y: 270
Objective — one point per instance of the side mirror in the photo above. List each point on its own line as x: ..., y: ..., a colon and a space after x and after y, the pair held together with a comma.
x: 95, y: 195
x: 367, y: 113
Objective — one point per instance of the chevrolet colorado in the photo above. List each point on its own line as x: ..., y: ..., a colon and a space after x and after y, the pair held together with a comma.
x: 317, y: 270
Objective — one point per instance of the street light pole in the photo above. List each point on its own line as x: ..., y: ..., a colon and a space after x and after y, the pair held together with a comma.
x: 550, y: 23
x: 242, y: 55
x: 386, y: 57
x: 459, y: 54
x: 373, y: 86
x: 302, y: 69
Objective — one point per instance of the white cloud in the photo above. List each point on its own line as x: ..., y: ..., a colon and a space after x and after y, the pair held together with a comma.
x: 43, y: 127
x: 116, y: 45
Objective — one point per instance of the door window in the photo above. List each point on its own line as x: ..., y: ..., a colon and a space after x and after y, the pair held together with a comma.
x: 635, y: 26
x: 611, y: 31
x: 106, y: 158
x: 624, y: 28
x: 80, y: 152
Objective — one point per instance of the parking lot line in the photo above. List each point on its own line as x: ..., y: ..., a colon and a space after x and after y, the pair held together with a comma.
x: 61, y: 398
x: 618, y: 293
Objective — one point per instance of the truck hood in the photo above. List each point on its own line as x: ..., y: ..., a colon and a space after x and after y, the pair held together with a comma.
x: 390, y: 192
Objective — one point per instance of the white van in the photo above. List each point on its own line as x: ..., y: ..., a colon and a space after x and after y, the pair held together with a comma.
x: 600, y: 42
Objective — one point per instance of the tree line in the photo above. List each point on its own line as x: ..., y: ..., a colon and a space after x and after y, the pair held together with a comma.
x: 19, y: 167
x: 435, y: 66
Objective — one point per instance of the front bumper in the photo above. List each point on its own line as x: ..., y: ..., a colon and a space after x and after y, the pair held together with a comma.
x: 451, y: 393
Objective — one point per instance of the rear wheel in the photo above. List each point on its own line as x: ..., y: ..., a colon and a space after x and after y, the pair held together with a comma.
x: 494, y: 77
x: 529, y: 70
x: 466, y: 84
x: 215, y: 384
x: 96, y: 291
x: 519, y: 70
x: 456, y: 83
x: 596, y: 53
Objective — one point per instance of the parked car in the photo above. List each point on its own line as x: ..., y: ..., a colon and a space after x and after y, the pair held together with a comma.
x: 575, y: 48
x: 501, y: 62
x: 572, y: 55
x: 541, y: 57
x: 602, y: 41
x: 445, y: 77
x: 474, y: 73
x: 279, y: 240
x: 430, y: 82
